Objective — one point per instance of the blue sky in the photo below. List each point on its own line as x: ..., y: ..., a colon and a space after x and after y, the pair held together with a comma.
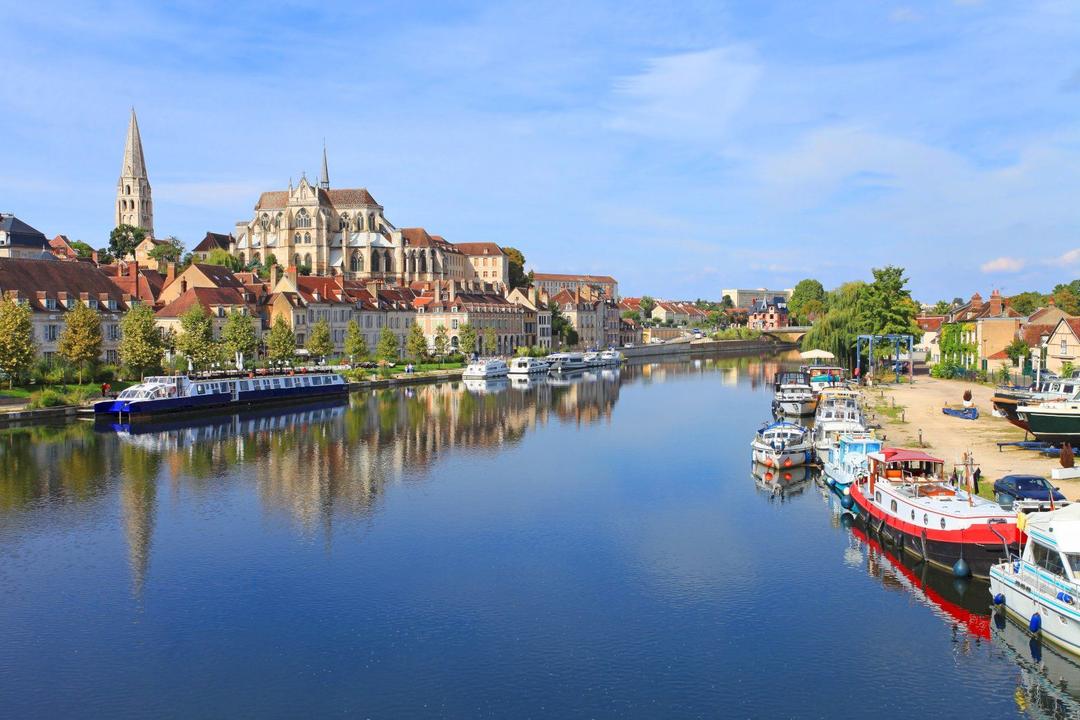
x: 681, y: 147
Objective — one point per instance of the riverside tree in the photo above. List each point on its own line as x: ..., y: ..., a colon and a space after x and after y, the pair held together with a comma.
x: 355, y: 343
x: 280, y: 341
x: 140, y: 341
x: 416, y: 344
x: 387, y: 349
x: 467, y: 339
x: 238, y: 335
x: 442, y: 341
x: 490, y: 341
x: 196, y: 338
x: 16, y: 339
x: 319, y: 343
x: 80, y: 342
x: 808, y: 298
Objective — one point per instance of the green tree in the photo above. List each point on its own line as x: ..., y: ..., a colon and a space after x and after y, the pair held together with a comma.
x: 416, y: 344
x: 941, y: 307
x: 238, y: 335
x: 631, y: 315
x: 841, y: 325
x: 1067, y: 297
x: 518, y: 278
x: 886, y: 305
x: 220, y: 256
x: 806, y: 291
x: 386, y: 351
x: 80, y: 342
x: 124, y: 239
x: 196, y: 339
x: 17, y: 348
x: 1017, y: 350
x: 269, y: 262
x: 168, y: 251
x: 1028, y: 302
x: 442, y: 341
x: 727, y: 303
x: 280, y: 341
x: 490, y: 341
x: 355, y: 343
x: 647, y: 306
x: 140, y: 340
x: 467, y: 339
x: 84, y: 251
x: 319, y: 343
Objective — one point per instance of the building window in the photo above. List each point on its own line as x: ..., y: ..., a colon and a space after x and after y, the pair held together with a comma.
x: 51, y: 332
x: 1064, y: 346
x: 307, y: 238
x: 303, y: 220
x: 356, y: 263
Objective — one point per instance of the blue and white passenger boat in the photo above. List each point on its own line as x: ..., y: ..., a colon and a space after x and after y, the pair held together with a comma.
x: 847, y: 459
x: 163, y: 394
x: 782, y: 445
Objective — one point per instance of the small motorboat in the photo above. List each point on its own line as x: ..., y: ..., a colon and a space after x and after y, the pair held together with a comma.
x: 611, y: 357
x: 782, y: 445
x: 491, y: 368
x: 793, y: 395
x: 529, y: 366
x: 848, y: 458
x: 968, y: 413
x: 839, y: 412
x: 566, y: 362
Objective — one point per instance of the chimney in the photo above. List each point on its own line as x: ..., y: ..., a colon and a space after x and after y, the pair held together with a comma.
x: 133, y: 269
x: 995, y: 303
x: 291, y: 273
x: 453, y: 290
x: 976, y: 302
x: 273, y: 276
x: 94, y: 257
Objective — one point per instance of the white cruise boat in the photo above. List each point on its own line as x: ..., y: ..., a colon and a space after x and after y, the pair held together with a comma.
x: 529, y: 366
x: 793, y: 395
x: 592, y: 359
x: 491, y: 368
x: 1041, y: 588
x: 782, y: 445
x: 848, y: 458
x: 567, y: 362
x: 838, y: 413
x: 611, y: 357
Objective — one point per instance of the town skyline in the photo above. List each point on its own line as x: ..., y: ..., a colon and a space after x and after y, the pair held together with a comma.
x: 968, y: 191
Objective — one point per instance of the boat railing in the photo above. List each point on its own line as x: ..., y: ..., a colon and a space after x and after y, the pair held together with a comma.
x: 1060, y: 587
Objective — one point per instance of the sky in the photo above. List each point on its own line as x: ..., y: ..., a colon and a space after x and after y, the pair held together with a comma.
x: 681, y: 147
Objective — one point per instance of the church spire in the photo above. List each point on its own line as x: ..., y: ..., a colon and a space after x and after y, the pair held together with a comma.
x: 134, y: 164
x: 134, y: 205
x: 324, y: 178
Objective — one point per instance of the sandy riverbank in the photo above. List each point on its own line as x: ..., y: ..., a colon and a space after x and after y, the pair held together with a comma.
x: 950, y: 437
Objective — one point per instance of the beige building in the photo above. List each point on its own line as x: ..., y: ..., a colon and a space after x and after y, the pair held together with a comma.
x: 537, y: 322
x: 1063, y: 345
x: 444, y: 304
x: 554, y: 283
x: 488, y: 262
x: 744, y: 297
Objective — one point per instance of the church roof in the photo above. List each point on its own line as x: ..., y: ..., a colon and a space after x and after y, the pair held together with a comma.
x: 419, y: 237
x: 19, y: 233
x: 344, y: 197
x: 578, y: 278
x: 134, y: 162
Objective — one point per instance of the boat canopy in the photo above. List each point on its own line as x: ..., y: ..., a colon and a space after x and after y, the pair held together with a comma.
x: 893, y: 455
x: 816, y: 355
x: 1062, y: 526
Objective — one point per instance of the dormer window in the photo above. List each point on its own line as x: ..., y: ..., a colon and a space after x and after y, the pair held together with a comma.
x: 92, y: 303
x: 50, y: 303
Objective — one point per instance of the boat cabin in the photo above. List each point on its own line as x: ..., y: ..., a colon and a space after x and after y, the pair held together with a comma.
x: 912, y: 472
x: 1054, y: 542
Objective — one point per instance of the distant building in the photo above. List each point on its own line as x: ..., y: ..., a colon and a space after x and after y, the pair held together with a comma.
x: 19, y: 240
x: 744, y: 298
x: 213, y: 241
x: 768, y: 313
x: 982, y: 331
x: 553, y: 283
x: 489, y: 263
x: 134, y: 206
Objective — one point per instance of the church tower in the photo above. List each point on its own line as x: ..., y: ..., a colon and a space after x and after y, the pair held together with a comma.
x: 133, y: 203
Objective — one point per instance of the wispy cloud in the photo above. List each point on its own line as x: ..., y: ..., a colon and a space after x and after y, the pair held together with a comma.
x: 1003, y: 265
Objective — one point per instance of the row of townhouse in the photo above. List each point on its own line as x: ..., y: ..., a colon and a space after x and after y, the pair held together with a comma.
x: 595, y: 317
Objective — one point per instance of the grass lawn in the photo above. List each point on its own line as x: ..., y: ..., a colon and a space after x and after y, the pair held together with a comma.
x: 23, y: 392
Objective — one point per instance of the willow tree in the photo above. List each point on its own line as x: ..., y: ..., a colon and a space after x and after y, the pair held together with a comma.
x: 839, y: 329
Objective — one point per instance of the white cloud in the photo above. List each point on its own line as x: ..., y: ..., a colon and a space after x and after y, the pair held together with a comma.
x: 1069, y: 258
x: 1003, y: 265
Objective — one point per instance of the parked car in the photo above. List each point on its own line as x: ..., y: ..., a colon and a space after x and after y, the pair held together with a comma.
x: 1011, y: 488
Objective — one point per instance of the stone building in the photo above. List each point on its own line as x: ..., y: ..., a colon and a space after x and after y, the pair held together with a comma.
x: 134, y: 205
x: 537, y: 321
x: 489, y: 263
x: 19, y: 240
x: 553, y: 283
x: 446, y: 305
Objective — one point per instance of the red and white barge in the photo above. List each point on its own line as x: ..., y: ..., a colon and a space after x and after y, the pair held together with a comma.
x: 903, y: 495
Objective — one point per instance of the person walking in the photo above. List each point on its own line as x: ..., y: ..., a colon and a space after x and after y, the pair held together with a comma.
x: 976, y: 476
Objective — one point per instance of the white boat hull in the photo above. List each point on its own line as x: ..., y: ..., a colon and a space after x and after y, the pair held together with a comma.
x: 796, y: 408
x: 793, y: 456
x: 1027, y: 593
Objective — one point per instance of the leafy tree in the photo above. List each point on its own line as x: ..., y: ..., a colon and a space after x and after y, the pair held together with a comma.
x: 1017, y: 350
x: 941, y: 307
x: 839, y: 329
x: 386, y: 351
x: 221, y: 256
x: 518, y: 278
x: 886, y: 305
x: 238, y: 335
x: 631, y: 315
x: 168, y: 251
x: 355, y: 342
x: 647, y: 305
x: 1026, y: 303
x: 196, y: 339
x: 561, y: 327
x: 319, y: 343
x: 105, y: 257
x: 727, y: 303
x: 811, y: 310
x: 80, y: 342
x: 467, y: 339
x: 806, y: 291
x: 416, y: 344
x: 140, y: 341
x: 490, y: 341
x: 17, y: 348
x: 442, y: 341
x: 124, y: 239
x: 84, y: 251
x: 269, y: 262
x: 280, y: 341
x: 1067, y: 297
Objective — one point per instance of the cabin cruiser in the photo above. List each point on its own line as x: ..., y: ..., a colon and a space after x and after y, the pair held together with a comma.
x: 592, y: 359
x: 611, y: 357
x: 181, y: 393
x: 529, y: 366
x: 848, y: 458
x: 1041, y: 587
x: 1053, y: 421
x: 1006, y: 401
x: 567, y: 362
x: 792, y: 394
x: 904, y: 494
x: 838, y: 413
x: 782, y: 445
x: 491, y: 368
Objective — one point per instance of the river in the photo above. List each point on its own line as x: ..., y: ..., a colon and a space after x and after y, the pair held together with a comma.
x: 595, y: 548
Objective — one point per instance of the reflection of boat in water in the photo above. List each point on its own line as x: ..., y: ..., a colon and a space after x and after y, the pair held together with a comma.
x: 1047, y: 681
x: 486, y: 386
x: 958, y: 601
x: 781, y: 482
x: 178, y: 432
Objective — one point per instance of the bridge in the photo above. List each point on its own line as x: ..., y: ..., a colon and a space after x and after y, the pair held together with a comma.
x: 792, y: 334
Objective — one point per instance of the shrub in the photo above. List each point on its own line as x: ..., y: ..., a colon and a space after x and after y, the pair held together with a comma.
x: 47, y: 399
x: 107, y: 373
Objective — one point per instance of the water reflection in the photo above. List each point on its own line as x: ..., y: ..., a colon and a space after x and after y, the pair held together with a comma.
x: 1047, y: 682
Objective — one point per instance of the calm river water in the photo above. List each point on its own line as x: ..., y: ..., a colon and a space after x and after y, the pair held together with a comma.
x: 593, y: 549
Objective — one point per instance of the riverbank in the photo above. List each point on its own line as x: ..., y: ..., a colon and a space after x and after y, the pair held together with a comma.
x: 906, y: 409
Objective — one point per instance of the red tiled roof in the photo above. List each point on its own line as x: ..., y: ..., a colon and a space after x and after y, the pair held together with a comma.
x: 578, y: 278
x: 930, y: 323
x: 205, y: 296
x: 479, y: 248
x: 345, y: 197
x: 419, y: 237
x: 213, y: 241
x: 146, y: 286
x: 1032, y: 333
x: 30, y: 277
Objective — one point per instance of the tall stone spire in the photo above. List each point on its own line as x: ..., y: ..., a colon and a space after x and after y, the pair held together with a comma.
x: 324, y: 178
x: 134, y: 206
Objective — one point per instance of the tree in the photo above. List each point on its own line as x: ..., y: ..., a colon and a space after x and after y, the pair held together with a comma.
x: 167, y: 251
x: 140, y: 340
x: 1067, y: 297
x: 416, y: 344
x: 518, y: 278
x: 727, y: 303
x: 442, y: 341
x: 220, y: 256
x: 1017, y: 350
x: 467, y: 339
x: 806, y: 291
x: 631, y: 315
x: 80, y: 342
x: 841, y: 325
x: 280, y: 341
x: 124, y: 239
x: 490, y: 341
x: 355, y: 342
x: 1028, y: 302
x: 84, y: 251
x: 196, y: 339
x: 387, y: 350
x: 269, y: 262
x: 941, y: 307
x: 562, y: 328
x: 886, y: 305
x: 238, y: 335
x: 319, y: 343
x: 647, y: 305
x: 16, y: 339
